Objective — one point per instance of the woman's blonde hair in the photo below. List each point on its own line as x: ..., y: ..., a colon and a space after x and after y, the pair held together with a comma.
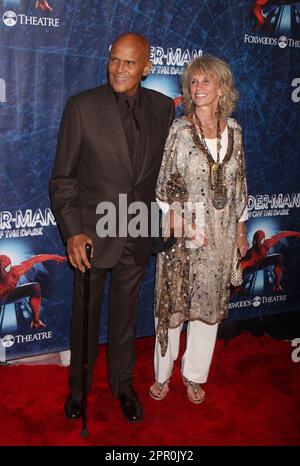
x: 210, y: 66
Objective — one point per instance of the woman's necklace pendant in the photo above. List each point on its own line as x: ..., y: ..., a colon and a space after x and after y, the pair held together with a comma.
x: 219, y: 197
x: 216, y: 167
x: 215, y: 174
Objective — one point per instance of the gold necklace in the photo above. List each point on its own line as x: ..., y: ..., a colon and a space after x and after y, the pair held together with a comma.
x: 217, y: 169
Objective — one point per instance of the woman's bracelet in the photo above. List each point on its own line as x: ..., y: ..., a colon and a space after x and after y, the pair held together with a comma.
x: 242, y: 235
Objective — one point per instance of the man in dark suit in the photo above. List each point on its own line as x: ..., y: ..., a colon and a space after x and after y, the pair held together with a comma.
x: 111, y: 142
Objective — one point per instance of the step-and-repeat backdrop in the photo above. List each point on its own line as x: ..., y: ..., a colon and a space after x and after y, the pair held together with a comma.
x: 56, y: 48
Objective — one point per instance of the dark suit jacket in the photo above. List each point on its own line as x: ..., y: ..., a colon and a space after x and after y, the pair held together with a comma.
x: 92, y: 165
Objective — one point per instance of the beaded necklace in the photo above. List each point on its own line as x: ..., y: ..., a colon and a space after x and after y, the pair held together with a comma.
x: 217, y: 168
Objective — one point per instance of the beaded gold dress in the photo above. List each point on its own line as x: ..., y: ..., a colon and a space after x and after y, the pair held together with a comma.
x: 194, y: 284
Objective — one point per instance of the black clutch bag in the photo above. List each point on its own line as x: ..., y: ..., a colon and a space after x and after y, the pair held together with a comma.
x: 159, y: 244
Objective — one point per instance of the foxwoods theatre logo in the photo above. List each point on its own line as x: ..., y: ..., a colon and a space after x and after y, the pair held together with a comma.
x: 257, y: 301
x: 8, y: 341
x: 132, y: 219
x: 282, y: 41
x: 11, y: 18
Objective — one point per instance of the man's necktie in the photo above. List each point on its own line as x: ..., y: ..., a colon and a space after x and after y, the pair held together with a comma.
x: 132, y: 129
x: 131, y: 105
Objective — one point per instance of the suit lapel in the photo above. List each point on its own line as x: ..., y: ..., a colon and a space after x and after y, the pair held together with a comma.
x: 151, y: 128
x: 108, y: 114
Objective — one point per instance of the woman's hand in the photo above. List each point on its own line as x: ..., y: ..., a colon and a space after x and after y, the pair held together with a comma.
x: 242, y: 244
x: 176, y: 224
x: 241, y: 239
x: 195, y: 234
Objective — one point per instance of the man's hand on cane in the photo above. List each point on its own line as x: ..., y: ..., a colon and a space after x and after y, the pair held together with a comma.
x: 77, y: 253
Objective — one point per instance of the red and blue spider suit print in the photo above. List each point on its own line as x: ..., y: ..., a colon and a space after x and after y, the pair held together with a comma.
x: 43, y: 5
x: 257, y: 9
x: 258, y: 257
x: 258, y: 13
x: 10, y: 276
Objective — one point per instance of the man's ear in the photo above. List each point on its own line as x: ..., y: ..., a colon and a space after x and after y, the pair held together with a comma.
x: 147, y: 68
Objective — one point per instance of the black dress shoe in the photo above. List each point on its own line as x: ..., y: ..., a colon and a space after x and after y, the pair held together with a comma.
x: 130, y: 405
x: 73, y: 408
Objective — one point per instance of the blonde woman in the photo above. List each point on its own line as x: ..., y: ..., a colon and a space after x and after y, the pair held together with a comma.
x: 203, y: 164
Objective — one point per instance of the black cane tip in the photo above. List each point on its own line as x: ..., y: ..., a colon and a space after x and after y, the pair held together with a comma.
x: 84, y: 433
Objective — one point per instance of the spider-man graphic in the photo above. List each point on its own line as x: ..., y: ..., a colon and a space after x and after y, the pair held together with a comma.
x: 257, y: 9
x: 257, y: 257
x: 43, y: 5
x: 10, y: 276
x: 177, y: 101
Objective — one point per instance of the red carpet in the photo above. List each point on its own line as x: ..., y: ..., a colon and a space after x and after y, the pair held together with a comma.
x: 252, y: 398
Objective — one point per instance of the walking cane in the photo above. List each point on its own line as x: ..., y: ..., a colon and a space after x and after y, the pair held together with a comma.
x: 85, y: 340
